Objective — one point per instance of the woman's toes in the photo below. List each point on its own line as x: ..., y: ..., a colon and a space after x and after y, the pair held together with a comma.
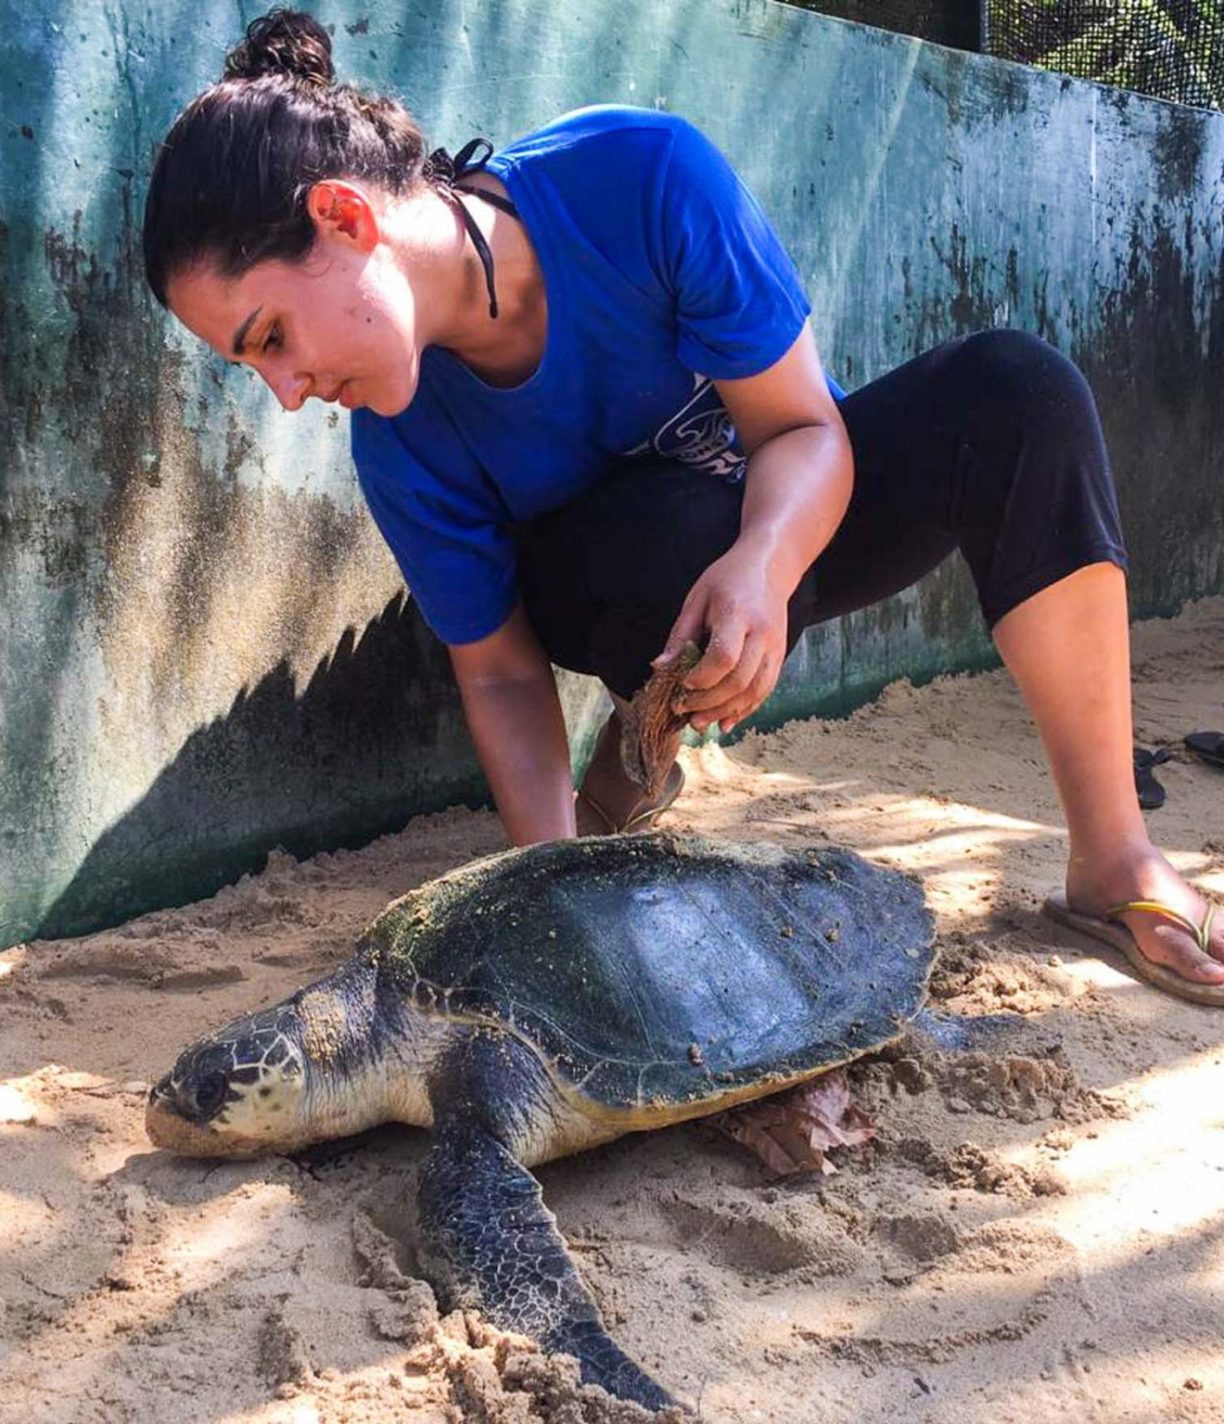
x: 1171, y: 946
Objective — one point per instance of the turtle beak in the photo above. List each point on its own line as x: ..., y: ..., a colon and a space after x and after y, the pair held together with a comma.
x: 168, y: 1128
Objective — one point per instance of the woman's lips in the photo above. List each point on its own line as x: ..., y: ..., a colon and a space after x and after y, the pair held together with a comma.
x: 338, y: 395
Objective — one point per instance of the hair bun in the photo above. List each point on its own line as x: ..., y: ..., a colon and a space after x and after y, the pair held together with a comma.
x: 287, y: 42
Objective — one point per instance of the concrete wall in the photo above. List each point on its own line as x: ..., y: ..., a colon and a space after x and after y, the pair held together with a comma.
x: 203, y: 648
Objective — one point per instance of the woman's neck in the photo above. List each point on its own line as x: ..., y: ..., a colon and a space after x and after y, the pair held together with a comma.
x: 452, y: 295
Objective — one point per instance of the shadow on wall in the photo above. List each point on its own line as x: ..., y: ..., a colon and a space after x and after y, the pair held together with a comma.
x: 1154, y: 367
x: 376, y: 736
x: 1151, y: 349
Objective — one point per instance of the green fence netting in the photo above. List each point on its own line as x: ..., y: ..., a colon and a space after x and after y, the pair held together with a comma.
x: 1170, y: 49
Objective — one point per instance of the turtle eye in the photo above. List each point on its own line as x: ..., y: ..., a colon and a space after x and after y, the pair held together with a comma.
x: 204, y: 1098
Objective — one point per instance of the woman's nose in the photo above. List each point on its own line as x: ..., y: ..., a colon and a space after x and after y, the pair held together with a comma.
x: 290, y: 389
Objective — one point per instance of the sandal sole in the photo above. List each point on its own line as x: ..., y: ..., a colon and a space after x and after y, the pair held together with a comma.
x: 1057, y: 909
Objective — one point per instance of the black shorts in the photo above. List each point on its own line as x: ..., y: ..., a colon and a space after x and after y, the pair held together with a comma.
x: 989, y: 444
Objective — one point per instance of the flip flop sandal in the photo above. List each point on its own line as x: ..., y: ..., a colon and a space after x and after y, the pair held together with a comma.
x: 642, y: 820
x: 1109, y: 930
x: 1208, y: 747
x: 1150, y: 792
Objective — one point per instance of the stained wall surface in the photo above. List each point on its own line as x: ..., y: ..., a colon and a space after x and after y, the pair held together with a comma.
x: 204, y: 649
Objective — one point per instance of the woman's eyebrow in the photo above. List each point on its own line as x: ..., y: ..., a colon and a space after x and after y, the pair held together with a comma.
x: 241, y: 334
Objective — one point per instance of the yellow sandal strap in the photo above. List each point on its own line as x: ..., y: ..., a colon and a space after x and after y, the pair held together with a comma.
x: 672, y: 788
x: 639, y: 818
x: 613, y: 828
x: 1201, y: 933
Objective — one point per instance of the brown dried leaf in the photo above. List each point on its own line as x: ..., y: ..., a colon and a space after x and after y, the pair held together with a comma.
x: 790, y: 1133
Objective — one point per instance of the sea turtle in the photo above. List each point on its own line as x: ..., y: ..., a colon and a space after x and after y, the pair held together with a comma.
x: 541, y: 1001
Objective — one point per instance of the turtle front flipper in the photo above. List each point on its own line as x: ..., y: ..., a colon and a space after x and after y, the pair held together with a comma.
x: 488, y: 1242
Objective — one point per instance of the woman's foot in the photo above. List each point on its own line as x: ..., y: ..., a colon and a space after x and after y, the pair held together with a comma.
x: 1068, y: 647
x: 1147, y: 875
x: 609, y: 801
x: 594, y: 819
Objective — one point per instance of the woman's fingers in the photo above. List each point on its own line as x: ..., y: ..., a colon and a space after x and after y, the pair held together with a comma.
x: 757, y: 691
x: 708, y: 683
x: 689, y: 627
x: 740, y: 691
x: 743, y: 627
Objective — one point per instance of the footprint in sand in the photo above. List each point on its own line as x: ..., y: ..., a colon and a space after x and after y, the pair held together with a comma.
x: 997, y: 1284
x: 119, y: 957
x: 758, y: 1238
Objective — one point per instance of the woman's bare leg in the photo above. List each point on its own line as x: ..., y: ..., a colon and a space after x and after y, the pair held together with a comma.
x: 1068, y: 648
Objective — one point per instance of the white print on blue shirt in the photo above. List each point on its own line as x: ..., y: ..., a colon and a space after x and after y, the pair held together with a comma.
x: 699, y: 435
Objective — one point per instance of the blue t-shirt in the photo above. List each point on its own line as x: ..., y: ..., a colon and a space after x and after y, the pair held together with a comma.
x: 662, y: 274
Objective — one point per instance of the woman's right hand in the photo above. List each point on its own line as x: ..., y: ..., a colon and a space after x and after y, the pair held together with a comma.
x: 735, y: 613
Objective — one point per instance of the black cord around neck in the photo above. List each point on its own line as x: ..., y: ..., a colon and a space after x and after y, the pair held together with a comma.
x: 446, y: 173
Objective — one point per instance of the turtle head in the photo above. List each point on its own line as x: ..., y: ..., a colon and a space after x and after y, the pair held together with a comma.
x: 275, y: 1080
x: 240, y: 1091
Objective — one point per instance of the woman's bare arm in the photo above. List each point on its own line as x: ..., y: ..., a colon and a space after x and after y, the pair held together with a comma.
x: 514, y: 716
x: 800, y: 475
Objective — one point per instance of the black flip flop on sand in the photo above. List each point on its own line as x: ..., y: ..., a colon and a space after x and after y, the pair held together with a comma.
x: 1208, y: 747
x: 1150, y: 792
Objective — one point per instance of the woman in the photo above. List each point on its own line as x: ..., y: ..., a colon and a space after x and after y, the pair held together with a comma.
x: 591, y: 420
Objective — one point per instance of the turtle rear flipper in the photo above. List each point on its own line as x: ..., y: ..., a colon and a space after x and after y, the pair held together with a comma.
x: 488, y: 1242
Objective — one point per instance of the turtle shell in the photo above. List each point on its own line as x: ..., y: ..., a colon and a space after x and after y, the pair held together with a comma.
x: 667, y: 970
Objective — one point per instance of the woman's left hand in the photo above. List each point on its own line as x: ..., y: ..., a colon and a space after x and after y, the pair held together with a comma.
x: 739, y: 618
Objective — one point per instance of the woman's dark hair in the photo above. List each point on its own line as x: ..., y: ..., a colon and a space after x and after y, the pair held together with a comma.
x: 230, y: 181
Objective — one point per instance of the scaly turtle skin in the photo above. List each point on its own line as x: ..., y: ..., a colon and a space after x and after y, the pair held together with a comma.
x: 545, y: 1000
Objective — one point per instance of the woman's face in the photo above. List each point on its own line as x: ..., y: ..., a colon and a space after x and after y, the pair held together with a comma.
x: 339, y: 324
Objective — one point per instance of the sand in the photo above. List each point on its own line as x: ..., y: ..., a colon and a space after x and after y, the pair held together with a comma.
x: 1033, y: 1236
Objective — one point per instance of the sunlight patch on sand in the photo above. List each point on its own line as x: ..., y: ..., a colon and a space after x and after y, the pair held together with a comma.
x: 17, y: 1108
x: 922, y: 811
x: 292, y: 1411
x: 1159, y: 1172
x: 209, y: 1246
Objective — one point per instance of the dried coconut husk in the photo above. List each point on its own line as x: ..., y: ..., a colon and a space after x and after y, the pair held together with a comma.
x: 649, y: 727
x: 791, y: 1132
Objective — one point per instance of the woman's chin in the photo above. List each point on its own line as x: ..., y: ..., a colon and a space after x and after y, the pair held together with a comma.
x: 398, y: 398
x: 382, y: 398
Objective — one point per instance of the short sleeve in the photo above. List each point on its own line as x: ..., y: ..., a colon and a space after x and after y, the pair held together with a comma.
x: 740, y: 302
x: 449, y: 538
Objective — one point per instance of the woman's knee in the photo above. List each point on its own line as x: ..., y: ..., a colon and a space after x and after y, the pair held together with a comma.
x: 1038, y: 493
x: 1022, y: 380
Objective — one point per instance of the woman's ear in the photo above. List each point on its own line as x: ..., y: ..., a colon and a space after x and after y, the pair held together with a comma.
x: 342, y: 211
